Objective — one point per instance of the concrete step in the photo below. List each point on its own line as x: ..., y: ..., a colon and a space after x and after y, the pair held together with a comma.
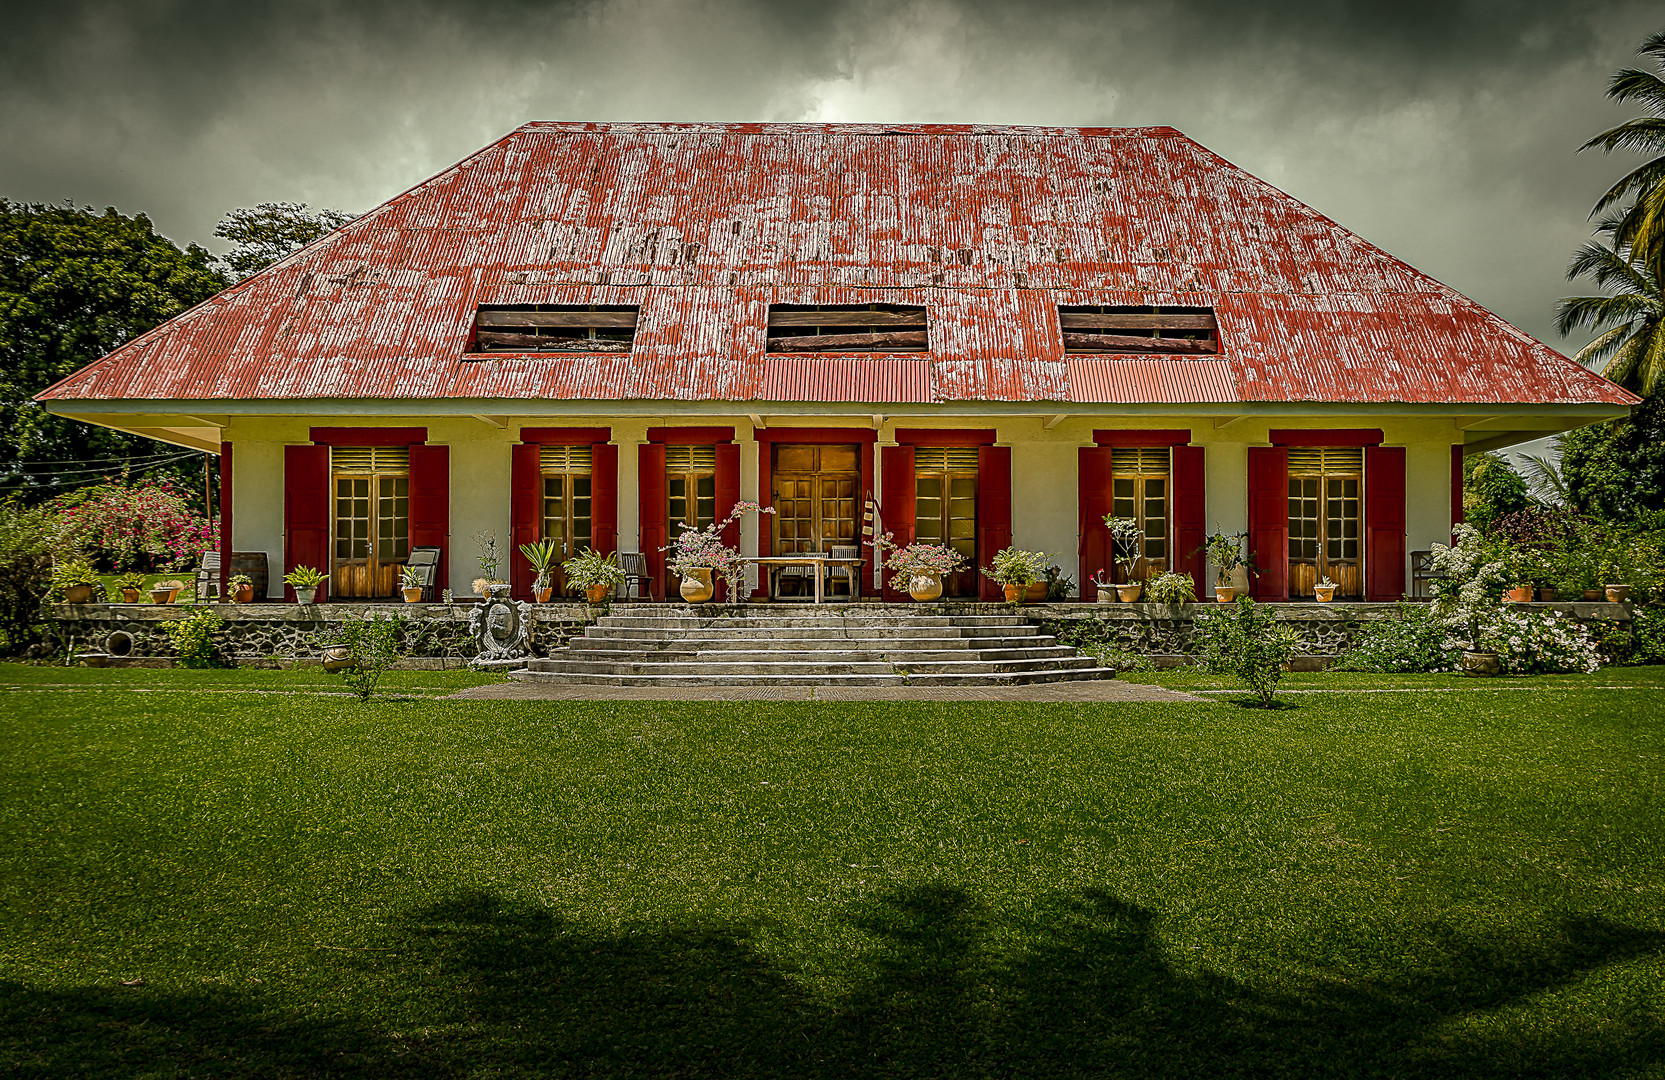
x: 942, y: 680
x: 672, y: 620
x: 589, y: 642
x: 830, y: 633
x: 775, y: 658
x: 841, y: 666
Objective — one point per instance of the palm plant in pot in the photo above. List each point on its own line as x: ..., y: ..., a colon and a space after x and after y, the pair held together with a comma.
x: 922, y: 566
x: 305, y: 581
x: 542, y: 555
x: 597, y: 574
x: 131, y: 584
x: 76, y: 580
x: 1225, y: 551
x: 1126, y: 540
x: 1015, y: 570
x: 410, y: 584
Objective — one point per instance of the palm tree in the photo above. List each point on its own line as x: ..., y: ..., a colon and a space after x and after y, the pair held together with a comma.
x: 1544, y: 477
x: 1641, y: 226
x: 1631, y: 317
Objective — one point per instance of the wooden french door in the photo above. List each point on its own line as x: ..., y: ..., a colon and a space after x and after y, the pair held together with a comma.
x: 690, y: 494
x: 371, y: 527
x: 1324, y: 521
x: 945, y: 508
x: 567, y: 504
x: 1139, y: 477
x: 817, y: 497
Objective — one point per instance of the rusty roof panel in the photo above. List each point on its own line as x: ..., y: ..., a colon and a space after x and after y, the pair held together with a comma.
x: 705, y: 225
x: 1129, y: 381
x: 833, y: 378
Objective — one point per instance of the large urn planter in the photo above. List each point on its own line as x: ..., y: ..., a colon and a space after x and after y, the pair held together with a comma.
x: 338, y: 658
x: 598, y: 593
x: 1481, y: 664
x: 1127, y: 594
x: 924, y: 586
x: 697, y: 587
x: 1618, y: 594
x: 1225, y: 594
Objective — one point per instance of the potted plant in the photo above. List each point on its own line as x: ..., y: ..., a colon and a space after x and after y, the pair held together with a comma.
x: 1615, y: 593
x: 488, y: 583
x: 1126, y: 542
x: 1015, y: 570
x: 131, y: 584
x: 305, y: 581
x: 1324, y: 590
x: 698, y: 554
x: 76, y: 579
x: 166, y: 592
x: 542, y: 555
x: 597, y: 574
x: 922, y: 566
x: 241, y: 588
x: 1225, y: 551
x: 1171, y: 589
x: 410, y: 584
x: 1105, y: 587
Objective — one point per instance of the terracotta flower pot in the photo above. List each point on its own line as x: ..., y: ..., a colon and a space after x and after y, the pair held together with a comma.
x: 1013, y: 593
x: 130, y: 595
x: 599, y: 593
x: 924, y: 586
x: 161, y: 596
x: 1035, y: 593
x: 1481, y: 664
x: 1225, y: 594
x: 243, y: 595
x: 1323, y: 594
x: 412, y: 595
x: 1593, y: 594
x: 77, y: 594
x: 697, y: 587
x: 542, y: 595
x: 1618, y: 594
x: 1127, y: 594
x: 1546, y: 595
x: 1521, y: 595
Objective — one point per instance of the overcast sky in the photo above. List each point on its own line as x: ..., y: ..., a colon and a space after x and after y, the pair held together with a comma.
x: 1442, y: 130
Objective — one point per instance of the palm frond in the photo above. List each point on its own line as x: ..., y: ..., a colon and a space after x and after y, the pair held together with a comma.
x: 1544, y: 477
x: 1610, y: 270
x: 1641, y: 179
x: 1643, y: 134
x: 1626, y: 361
x: 1652, y: 361
x: 1633, y: 84
x: 1600, y: 348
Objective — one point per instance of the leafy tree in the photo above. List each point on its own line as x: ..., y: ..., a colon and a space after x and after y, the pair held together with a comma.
x: 1492, y: 488
x: 75, y: 284
x: 1640, y: 227
x: 1617, y: 469
x: 272, y: 231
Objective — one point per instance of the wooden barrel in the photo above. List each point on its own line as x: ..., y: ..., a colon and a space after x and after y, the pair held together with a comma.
x: 252, y: 563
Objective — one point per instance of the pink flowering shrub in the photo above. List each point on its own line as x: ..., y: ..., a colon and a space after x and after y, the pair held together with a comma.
x: 120, y: 526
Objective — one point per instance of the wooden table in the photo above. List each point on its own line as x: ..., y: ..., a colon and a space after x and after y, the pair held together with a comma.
x: 819, y: 563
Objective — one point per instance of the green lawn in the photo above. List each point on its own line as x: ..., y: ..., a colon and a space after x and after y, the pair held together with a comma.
x: 199, y: 881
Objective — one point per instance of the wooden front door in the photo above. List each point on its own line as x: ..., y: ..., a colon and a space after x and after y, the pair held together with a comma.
x: 566, y: 502
x: 1139, y: 490
x: 371, y: 489
x: 945, y: 508
x: 817, y: 497
x: 690, y: 495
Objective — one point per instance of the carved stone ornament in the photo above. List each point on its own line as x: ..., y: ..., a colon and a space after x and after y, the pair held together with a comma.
x: 503, y: 629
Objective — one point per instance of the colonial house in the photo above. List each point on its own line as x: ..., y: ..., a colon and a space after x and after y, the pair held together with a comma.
x: 600, y: 333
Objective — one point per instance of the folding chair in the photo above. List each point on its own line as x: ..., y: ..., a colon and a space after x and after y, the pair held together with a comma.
x: 425, y: 560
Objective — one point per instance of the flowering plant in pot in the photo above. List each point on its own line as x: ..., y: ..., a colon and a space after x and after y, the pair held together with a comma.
x: 305, y: 581
x: 922, y: 566
x: 1106, y: 586
x: 76, y: 580
x: 597, y: 574
x: 1126, y: 542
x: 241, y: 588
x: 698, y: 554
x: 131, y: 584
x: 542, y: 555
x: 1225, y: 551
x: 1014, y: 570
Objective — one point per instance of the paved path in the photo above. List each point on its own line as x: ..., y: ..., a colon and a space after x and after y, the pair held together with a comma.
x: 1094, y: 690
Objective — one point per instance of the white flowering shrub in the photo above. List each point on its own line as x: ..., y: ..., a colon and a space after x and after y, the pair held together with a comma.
x: 1539, y: 643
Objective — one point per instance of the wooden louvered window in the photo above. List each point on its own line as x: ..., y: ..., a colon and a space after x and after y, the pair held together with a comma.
x: 869, y: 328
x: 371, y: 486
x: 690, y: 487
x: 554, y: 328
x: 1325, y: 533
x: 1139, y: 489
x: 1153, y: 329
x: 945, y: 508
x: 567, y: 505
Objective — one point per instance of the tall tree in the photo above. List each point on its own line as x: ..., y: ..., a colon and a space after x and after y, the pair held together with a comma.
x: 272, y: 231
x: 1640, y: 226
x: 1630, y: 315
x: 75, y: 284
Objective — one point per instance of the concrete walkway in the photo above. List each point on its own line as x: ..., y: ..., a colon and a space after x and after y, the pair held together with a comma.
x: 1086, y: 690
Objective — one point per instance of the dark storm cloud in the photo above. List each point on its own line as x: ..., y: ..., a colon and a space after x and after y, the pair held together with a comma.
x: 1443, y: 131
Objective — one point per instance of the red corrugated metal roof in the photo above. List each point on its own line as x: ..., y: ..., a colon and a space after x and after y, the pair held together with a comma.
x: 705, y: 225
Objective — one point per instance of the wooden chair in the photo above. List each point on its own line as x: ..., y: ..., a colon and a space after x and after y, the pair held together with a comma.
x: 1423, y: 573
x: 849, y: 573
x: 425, y: 560
x: 208, y: 575
x: 636, y: 576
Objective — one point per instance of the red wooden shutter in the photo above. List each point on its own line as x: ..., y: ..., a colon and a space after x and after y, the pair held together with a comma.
x: 994, y: 509
x: 306, y: 512
x: 225, y: 518
x: 1456, y: 489
x: 728, y: 493
x: 1093, y: 499
x: 1190, y: 516
x: 650, y: 512
x: 604, y: 497
x: 896, y: 508
x: 1269, y: 522
x: 430, y: 506
x: 1384, y: 522
x: 525, y: 514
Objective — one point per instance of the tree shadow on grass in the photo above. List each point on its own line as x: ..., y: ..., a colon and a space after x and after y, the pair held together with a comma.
x: 1077, y: 986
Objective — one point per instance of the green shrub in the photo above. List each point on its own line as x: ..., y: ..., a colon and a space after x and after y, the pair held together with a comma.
x: 1413, y: 640
x: 193, y: 639
x: 1246, y: 641
x: 1171, y: 588
x: 373, y: 647
x: 27, y: 537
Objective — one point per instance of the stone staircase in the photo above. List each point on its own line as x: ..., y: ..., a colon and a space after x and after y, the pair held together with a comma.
x: 809, y: 645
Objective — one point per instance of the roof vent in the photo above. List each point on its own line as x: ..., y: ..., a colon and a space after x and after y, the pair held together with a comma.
x: 1171, y: 330
x: 554, y: 328
x: 847, y: 328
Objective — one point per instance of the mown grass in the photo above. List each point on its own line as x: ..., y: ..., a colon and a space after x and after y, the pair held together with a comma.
x: 1459, y: 883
